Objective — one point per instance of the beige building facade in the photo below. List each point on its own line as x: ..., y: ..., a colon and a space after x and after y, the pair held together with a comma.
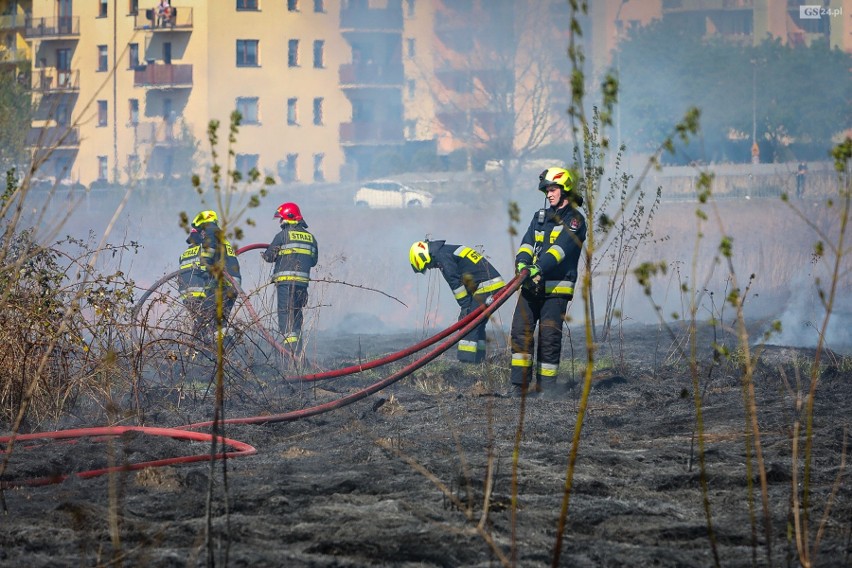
x: 329, y: 90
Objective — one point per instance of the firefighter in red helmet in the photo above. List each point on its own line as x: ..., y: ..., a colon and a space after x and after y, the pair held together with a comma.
x: 294, y: 252
x: 472, y: 279
x: 550, y: 250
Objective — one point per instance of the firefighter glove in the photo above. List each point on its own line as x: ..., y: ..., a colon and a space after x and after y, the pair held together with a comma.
x: 535, y: 273
x: 520, y: 266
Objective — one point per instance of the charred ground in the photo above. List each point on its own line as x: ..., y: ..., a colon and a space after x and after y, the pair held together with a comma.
x: 421, y: 474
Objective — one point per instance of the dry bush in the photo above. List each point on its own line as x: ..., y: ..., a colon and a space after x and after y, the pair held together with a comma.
x: 63, y: 327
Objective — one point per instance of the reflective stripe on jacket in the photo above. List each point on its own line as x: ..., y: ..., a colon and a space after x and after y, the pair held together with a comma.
x: 554, y: 241
x: 294, y: 251
x: 467, y: 272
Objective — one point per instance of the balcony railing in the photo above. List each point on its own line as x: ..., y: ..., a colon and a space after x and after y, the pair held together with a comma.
x: 371, y: 133
x: 163, y: 76
x: 359, y: 18
x: 13, y: 55
x: 14, y: 21
x: 179, y: 21
x: 52, y: 80
x: 53, y: 28
x: 371, y: 74
x: 53, y: 137
x: 157, y: 133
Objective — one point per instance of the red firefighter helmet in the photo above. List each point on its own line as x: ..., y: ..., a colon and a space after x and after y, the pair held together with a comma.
x: 289, y: 212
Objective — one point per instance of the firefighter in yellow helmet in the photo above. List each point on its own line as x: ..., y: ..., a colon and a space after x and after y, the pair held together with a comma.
x: 472, y: 279
x: 550, y: 250
x: 294, y: 251
x: 193, y: 282
x: 216, y: 251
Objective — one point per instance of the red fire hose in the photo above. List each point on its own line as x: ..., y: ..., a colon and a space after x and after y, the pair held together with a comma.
x: 239, y: 449
x: 455, y: 331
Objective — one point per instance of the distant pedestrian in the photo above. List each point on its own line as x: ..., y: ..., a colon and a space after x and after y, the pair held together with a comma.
x: 471, y: 278
x: 801, y: 172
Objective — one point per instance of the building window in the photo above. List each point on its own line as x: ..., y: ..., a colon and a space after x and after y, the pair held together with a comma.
x: 293, y: 53
x: 247, y: 5
x: 318, y: 173
x: 319, y: 54
x: 133, y: 105
x: 63, y: 113
x: 288, y: 169
x: 133, y: 55
x: 132, y: 164
x: 319, y: 6
x: 409, y: 47
x: 133, y: 7
x: 318, y: 111
x: 293, y: 5
x: 247, y: 53
x: 102, y: 8
x: 247, y: 107
x: 244, y: 163
x: 411, y: 87
x: 292, y: 111
x: 103, y: 64
x: 102, y: 167
x: 411, y: 129
x: 102, y: 113
x: 409, y: 5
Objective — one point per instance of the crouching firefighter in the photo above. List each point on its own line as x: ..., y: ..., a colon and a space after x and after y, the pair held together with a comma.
x: 294, y: 251
x: 550, y: 250
x: 472, y: 279
x: 193, y: 280
x: 219, y: 259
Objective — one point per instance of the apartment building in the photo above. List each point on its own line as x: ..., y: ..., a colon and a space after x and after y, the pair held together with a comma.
x: 120, y: 93
x: 748, y: 22
x: 328, y: 89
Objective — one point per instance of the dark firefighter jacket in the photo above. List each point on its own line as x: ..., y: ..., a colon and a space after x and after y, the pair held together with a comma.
x: 192, y: 276
x: 553, y: 241
x: 466, y: 271
x: 211, y: 254
x: 294, y: 251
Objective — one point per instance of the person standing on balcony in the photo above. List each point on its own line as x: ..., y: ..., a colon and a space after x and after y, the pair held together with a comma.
x: 164, y: 13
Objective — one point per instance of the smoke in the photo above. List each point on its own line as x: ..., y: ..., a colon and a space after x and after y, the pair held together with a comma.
x: 804, y: 314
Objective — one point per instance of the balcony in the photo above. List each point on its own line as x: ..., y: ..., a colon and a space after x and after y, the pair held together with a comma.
x: 157, y: 133
x: 53, y: 137
x: 367, y: 74
x: 13, y: 56
x: 50, y: 80
x: 180, y: 20
x: 361, y: 18
x: 65, y: 27
x: 14, y: 21
x: 163, y: 76
x: 371, y: 133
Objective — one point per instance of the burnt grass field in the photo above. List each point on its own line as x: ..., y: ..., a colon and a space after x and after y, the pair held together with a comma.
x: 421, y: 474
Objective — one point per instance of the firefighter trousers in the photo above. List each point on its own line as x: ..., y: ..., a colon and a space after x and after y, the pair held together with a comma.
x: 292, y: 300
x: 548, y: 314
x: 471, y: 348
